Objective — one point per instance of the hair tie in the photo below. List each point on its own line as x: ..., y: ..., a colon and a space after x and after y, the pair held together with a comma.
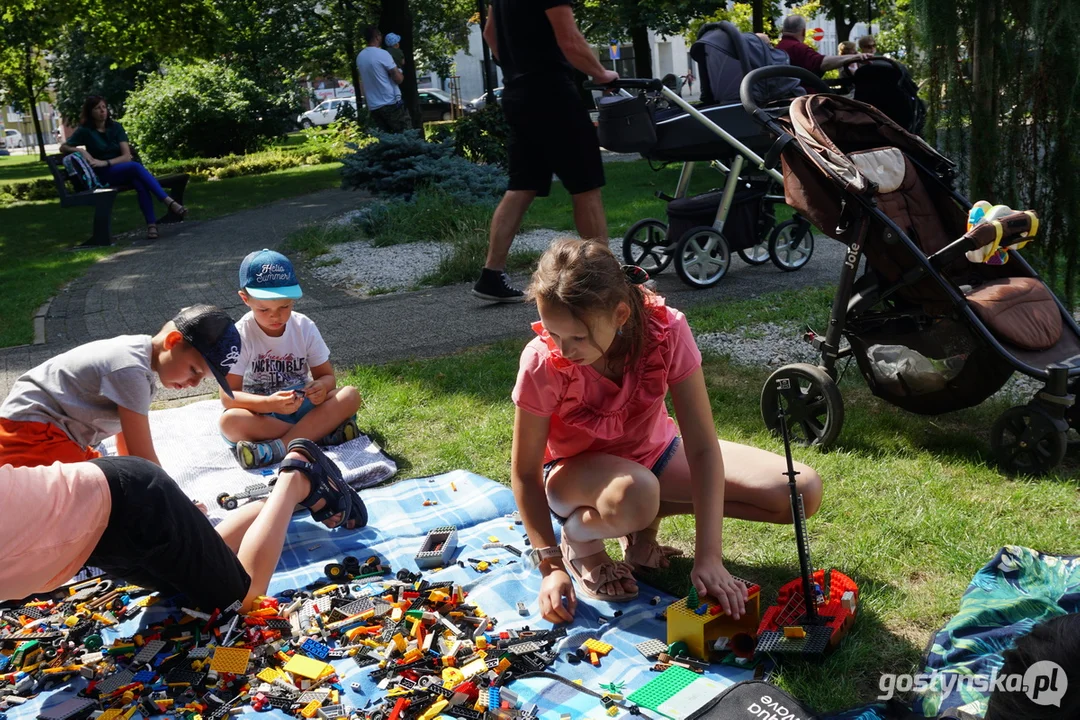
x: 635, y: 275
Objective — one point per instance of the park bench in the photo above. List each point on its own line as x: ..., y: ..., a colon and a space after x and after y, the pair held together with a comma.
x: 102, y: 200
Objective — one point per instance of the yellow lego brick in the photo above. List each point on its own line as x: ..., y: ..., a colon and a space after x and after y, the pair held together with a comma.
x: 474, y: 668
x: 435, y: 709
x: 270, y: 674
x: 502, y: 667
x: 594, y: 645
x: 230, y: 660
x: 110, y: 714
x: 311, y: 708
x: 399, y: 642
x: 492, y: 538
x: 794, y: 632
x: 306, y: 667
x: 413, y: 654
x: 613, y: 710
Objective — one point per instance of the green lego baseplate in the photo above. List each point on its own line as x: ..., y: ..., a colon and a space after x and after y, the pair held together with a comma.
x: 663, y: 687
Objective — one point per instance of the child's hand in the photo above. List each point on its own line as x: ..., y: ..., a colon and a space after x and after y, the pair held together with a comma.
x: 555, y: 586
x: 286, y: 402
x: 315, y: 391
x: 711, y: 578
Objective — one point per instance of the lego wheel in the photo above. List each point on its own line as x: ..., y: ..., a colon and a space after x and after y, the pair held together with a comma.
x: 227, y: 501
x: 334, y: 571
x: 645, y: 245
x: 756, y: 254
x: 791, y: 244
x: 812, y: 404
x: 702, y: 257
x: 1027, y: 440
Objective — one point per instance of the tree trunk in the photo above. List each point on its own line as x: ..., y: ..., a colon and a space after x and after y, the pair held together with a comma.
x: 639, y: 37
x: 395, y: 16
x: 31, y: 97
x: 758, y: 10
x: 984, y: 92
x: 351, y: 53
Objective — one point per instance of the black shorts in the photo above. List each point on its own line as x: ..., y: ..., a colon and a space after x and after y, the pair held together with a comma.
x: 550, y: 132
x: 158, y: 539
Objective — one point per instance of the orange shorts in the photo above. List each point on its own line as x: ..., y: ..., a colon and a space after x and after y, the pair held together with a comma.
x: 29, y: 444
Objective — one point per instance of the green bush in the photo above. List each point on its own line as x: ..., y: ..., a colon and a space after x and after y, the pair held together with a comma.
x: 333, y: 140
x: 203, y: 110
x: 399, y: 165
x: 439, y: 130
x: 428, y: 216
x: 483, y: 135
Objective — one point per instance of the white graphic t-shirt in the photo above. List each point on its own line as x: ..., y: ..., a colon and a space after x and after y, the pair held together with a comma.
x: 270, y: 364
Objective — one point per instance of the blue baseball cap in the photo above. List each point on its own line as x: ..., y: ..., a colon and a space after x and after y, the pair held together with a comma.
x: 268, y: 275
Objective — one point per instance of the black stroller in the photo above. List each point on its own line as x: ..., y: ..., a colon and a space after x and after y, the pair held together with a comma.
x: 932, y: 326
x: 703, y: 230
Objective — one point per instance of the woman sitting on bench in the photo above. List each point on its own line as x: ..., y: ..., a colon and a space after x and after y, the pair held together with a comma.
x: 104, y: 144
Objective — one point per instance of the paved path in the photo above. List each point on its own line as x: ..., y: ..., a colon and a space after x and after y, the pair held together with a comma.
x: 139, y: 288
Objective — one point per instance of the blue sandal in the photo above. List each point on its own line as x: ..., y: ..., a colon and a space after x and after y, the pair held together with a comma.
x: 326, y: 484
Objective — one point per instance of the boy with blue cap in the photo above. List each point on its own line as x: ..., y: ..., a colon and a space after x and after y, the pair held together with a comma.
x: 390, y: 44
x: 283, y: 385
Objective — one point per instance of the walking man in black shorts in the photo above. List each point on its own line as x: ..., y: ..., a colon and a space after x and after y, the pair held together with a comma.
x: 538, y: 44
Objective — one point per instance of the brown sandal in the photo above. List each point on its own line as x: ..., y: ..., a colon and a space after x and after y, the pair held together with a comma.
x: 606, y: 574
x: 647, y: 554
x: 152, y: 232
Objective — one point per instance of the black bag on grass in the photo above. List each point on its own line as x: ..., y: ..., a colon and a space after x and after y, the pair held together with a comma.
x: 753, y: 700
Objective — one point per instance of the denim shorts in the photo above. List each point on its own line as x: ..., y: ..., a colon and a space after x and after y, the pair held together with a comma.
x: 657, y: 467
x: 294, y: 417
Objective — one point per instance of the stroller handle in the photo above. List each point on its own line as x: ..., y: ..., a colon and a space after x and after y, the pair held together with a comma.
x: 631, y: 83
x: 746, y: 89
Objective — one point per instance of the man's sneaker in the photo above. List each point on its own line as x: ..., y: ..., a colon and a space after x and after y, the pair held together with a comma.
x: 253, y: 455
x: 495, y: 286
x: 344, y: 432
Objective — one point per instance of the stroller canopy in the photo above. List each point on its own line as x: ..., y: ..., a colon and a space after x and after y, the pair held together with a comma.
x: 724, y: 57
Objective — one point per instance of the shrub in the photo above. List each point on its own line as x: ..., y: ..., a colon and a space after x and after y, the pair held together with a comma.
x: 398, y: 165
x: 428, y: 216
x: 482, y: 136
x: 439, y: 131
x: 333, y: 140
x: 203, y: 110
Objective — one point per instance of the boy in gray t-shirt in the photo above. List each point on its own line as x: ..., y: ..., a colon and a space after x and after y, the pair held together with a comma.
x: 61, y: 409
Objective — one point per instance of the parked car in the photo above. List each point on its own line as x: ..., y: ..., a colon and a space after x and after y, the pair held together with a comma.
x: 435, y: 104
x: 14, y: 138
x: 324, y: 113
x: 474, y: 105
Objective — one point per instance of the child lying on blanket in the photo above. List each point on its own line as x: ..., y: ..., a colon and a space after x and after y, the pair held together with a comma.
x: 283, y: 385
x: 60, y: 410
x: 593, y: 440
x: 126, y: 516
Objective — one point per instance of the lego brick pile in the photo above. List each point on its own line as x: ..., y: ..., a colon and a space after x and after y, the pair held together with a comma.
x: 403, y: 527
x: 427, y: 648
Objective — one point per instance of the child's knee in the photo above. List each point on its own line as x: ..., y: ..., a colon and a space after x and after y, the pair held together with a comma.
x: 810, y: 486
x: 632, y: 499
x: 349, y: 397
x: 232, y: 423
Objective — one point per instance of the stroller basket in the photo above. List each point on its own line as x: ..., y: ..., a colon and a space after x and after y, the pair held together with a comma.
x: 741, y: 229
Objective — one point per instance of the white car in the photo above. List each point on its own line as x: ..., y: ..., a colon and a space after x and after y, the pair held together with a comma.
x: 474, y: 105
x: 13, y: 138
x: 324, y: 113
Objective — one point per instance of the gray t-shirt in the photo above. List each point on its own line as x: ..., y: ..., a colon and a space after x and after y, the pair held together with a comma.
x: 375, y: 65
x: 79, y: 391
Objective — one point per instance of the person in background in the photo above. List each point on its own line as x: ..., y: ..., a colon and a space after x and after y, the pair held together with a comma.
x: 381, y: 77
x: 868, y: 45
x: 104, y: 144
x: 793, y: 42
x: 847, y: 47
x: 392, y: 44
x: 538, y: 44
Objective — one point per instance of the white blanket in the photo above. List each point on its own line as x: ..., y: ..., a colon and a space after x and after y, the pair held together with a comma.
x: 194, y: 453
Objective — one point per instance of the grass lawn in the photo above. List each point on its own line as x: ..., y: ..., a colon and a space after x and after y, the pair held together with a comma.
x: 34, y: 263
x: 912, y: 505
x: 20, y: 168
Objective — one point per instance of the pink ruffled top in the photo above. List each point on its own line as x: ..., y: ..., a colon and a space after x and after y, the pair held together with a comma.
x: 592, y: 413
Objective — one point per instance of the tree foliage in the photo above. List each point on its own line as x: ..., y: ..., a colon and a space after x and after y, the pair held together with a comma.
x: 1003, y: 97
x: 77, y: 73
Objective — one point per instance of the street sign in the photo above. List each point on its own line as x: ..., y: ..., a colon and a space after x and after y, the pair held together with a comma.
x: 615, y: 50
x: 819, y: 34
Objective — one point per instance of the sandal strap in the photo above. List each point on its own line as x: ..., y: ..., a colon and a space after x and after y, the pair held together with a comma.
x: 576, y: 550
x: 314, y: 474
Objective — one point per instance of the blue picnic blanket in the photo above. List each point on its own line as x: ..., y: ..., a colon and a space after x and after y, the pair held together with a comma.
x: 479, y: 508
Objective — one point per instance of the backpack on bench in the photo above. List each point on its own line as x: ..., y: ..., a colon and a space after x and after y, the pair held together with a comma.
x: 81, y: 175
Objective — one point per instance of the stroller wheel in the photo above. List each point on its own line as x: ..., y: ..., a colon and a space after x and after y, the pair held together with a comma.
x: 812, y: 404
x: 1026, y: 439
x: 791, y: 244
x: 756, y: 254
x: 702, y: 257
x: 645, y: 245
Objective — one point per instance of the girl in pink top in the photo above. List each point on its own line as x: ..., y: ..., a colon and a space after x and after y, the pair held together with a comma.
x: 594, y: 444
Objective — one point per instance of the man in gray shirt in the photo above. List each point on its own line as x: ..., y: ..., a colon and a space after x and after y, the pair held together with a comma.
x: 381, y: 77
